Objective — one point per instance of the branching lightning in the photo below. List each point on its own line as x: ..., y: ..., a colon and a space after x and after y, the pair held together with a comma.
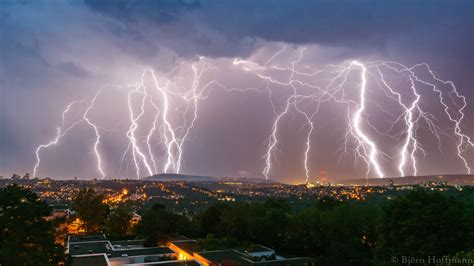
x: 60, y: 132
x: 97, y: 134
x: 303, y: 91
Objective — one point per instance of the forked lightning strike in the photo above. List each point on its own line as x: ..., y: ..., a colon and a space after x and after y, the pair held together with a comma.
x: 351, y: 86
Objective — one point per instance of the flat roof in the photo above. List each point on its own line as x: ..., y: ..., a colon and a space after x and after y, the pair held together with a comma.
x: 287, y: 262
x: 88, y: 238
x: 234, y: 256
x: 81, y: 248
x: 96, y: 244
x: 225, y: 256
x: 257, y: 248
x: 90, y: 260
x: 128, y: 243
x: 175, y: 263
x: 94, y: 247
x: 141, y: 251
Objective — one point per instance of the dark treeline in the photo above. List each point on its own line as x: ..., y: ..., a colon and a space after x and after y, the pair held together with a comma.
x: 416, y: 224
x: 26, y: 238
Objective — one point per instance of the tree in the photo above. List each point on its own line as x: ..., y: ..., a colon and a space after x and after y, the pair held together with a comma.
x: 119, y: 223
x: 460, y: 258
x: 270, y: 222
x: 26, y: 237
x: 211, y: 242
x: 236, y: 222
x: 304, y: 234
x: 327, y: 202
x: 421, y: 224
x: 90, y: 208
x: 210, y: 221
x: 349, y: 234
x: 276, y: 204
x: 158, y: 224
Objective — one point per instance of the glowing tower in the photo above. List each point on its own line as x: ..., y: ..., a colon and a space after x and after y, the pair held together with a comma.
x: 322, y: 177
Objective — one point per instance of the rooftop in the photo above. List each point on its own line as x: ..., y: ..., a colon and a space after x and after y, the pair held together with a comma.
x: 97, y: 250
x: 81, y: 248
x: 127, y: 244
x: 230, y: 257
x: 140, y: 252
x: 176, y: 263
x: 256, y: 248
x: 88, y: 238
x: 90, y: 260
x: 288, y: 262
x: 188, y: 246
x: 234, y: 257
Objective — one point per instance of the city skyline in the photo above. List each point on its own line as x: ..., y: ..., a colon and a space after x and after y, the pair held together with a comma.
x: 134, y: 89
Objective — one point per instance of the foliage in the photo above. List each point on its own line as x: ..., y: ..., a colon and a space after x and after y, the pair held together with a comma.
x: 422, y: 224
x: 338, y: 233
x: 26, y: 237
x: 90, y: 208
x: 158, y: 224
x: 349, y: 234
x: 211, y: 242
x: 210, y: 220
x: 327, y: 203
x: 460, y: 258
x: 119, y: 221
x: 304, y: 235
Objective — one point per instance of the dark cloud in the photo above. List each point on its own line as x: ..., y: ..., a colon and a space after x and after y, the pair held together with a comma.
x: 364, y: 25
x: 74, y: 69
x: 132, y: 11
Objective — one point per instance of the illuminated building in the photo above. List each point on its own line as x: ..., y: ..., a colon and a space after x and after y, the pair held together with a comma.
x: 183, y: 251
x: 114, y: 253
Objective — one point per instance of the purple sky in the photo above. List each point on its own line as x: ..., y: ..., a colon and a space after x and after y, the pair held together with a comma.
x: 55, y: 52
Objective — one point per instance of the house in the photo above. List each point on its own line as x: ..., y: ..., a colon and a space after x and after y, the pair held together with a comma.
x: 91, y: 260
x: 184, y: 248
x: 235, y: 257
x: 189, y: 249
x: 181, y: 251
x: 98, y: 250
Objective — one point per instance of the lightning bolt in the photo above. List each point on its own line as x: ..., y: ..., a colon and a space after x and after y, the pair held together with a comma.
x: 409, y: 120
x: 368, y: 145
x: 349, y: 85
x: 336, y: 91
x: 136, y: 151
x: 97, y: 134
x: 59, y: 134
x: 274, y: 139
x: 464, y: 139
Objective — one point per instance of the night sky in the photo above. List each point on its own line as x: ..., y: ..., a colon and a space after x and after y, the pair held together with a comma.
x: 55, y: 52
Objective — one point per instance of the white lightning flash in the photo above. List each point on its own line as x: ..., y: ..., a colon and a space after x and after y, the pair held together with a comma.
x: 59, y: 134
x: 368, y: 144
x: 351, y: 86
x: 338, y: 89
x: 97, y: 134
